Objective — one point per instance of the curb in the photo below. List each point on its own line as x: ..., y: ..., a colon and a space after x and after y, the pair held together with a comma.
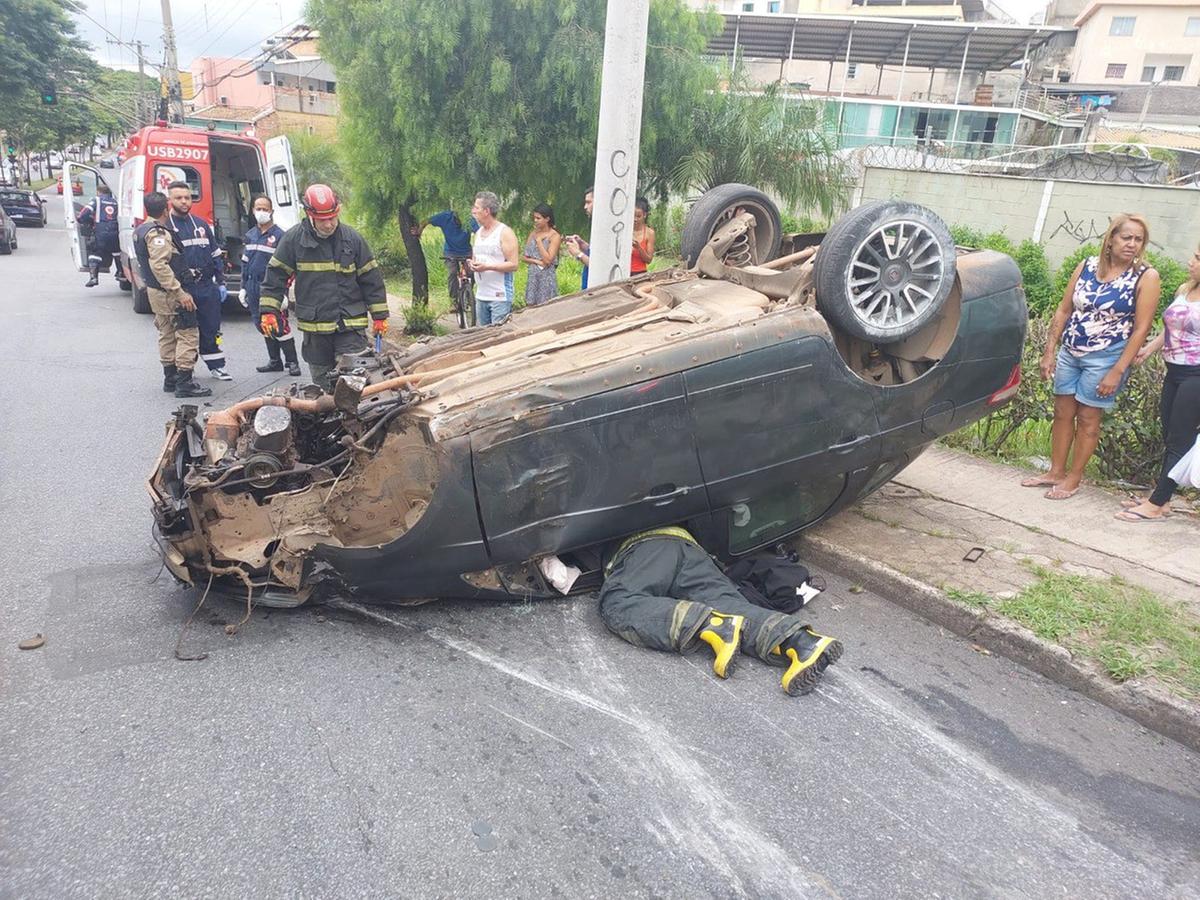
x: 1150, y: 707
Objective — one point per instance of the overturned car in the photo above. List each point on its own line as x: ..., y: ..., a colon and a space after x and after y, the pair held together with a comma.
x: 778, y: 379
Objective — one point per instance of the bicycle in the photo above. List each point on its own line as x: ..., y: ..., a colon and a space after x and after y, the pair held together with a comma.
x: 462, y: 289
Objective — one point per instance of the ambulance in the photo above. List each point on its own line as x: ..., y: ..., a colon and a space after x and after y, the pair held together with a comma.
x: 224, y: 170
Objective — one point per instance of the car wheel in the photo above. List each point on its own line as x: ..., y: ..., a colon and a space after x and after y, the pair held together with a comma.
x: 5, y: 248
x: 715, y: 208
x: 884, y: 270
x: 141, y: 302
x: 123, y: 284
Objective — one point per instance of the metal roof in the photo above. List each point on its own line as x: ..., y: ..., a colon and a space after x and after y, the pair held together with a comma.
x: 879, y: 41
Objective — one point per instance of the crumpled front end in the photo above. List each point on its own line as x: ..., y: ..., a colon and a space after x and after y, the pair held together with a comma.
x: 243, y: 500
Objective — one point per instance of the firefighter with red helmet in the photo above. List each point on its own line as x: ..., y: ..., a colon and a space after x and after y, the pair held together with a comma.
x: 339, y: 289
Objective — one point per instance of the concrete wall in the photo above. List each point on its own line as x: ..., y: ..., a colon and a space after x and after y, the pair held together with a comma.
x: 1060, y: 214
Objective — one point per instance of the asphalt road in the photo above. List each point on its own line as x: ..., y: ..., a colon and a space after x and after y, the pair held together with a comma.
x: 488, y: 750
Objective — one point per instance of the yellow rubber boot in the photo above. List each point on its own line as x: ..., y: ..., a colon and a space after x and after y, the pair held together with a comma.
x: 724, y: 634
x: 807, y: 655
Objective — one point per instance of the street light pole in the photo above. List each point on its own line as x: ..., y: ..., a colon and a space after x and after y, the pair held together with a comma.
x: 617, y: 139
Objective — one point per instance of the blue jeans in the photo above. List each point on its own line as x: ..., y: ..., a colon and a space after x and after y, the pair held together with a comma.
x: 492, y: 312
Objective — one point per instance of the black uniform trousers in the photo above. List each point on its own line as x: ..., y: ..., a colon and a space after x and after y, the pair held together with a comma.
x: 662, y: 590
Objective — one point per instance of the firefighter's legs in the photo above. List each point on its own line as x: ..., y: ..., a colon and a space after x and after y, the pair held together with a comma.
x: 208, y: 314
x: 322, y: 349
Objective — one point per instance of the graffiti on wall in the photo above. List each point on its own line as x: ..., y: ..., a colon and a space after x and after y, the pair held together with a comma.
x: 1080, y: 229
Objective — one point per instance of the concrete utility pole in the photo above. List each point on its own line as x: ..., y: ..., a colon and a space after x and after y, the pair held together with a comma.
x: 171, y: 70
x: 617, y: 140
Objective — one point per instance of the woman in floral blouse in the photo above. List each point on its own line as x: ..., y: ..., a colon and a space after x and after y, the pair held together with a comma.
x: 1179, y: 407
x: 1103, y: 319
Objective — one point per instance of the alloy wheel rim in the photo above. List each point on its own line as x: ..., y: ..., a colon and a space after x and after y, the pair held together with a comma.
x: 895, y: 274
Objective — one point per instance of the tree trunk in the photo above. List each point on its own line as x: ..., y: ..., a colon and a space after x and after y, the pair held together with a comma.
x: 416, y: 254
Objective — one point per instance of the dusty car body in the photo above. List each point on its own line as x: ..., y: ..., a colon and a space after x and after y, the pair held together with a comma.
x: 718, y: 396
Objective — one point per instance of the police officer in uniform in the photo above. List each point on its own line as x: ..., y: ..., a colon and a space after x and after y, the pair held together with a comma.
x: 100, y: 218
x: 663, y: 591
x: 203, y: 256
x: 160, y: 261
x: 339, y: 289
x: 260, y: 244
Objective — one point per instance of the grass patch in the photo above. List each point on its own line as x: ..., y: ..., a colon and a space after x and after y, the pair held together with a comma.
x: 1129, y: 630
x: 975, y: 599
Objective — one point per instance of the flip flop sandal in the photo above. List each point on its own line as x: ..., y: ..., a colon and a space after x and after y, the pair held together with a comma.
x: 1131, y: 502
x: 1060, y: 494
x: 1038, y: 481
x: 1130, y: 515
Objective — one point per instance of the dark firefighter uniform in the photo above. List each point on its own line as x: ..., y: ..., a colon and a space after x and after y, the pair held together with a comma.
x: 202, y: 255
x: 99, y: 218
x: 338, y: 291
x: 160, y: 260
x: 260, y: 246
x: 663, y: 591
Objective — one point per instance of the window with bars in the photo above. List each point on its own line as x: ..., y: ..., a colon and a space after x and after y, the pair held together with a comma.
x: 1122, y: 26
x: 851, y: 71
x: 1115, y: 70
x: 1173, y: 73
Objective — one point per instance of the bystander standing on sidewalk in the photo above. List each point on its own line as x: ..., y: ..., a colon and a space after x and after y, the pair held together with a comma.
x: 1103, y: 319
x: 493, y: 261
x: 577, y: 246
x: 1180, y: 404
x: 541, y: 256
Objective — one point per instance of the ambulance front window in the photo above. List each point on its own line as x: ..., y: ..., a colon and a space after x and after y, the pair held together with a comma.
x: 164, y: 175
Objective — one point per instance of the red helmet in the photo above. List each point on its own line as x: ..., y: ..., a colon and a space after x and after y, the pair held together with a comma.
x: 320, y: 202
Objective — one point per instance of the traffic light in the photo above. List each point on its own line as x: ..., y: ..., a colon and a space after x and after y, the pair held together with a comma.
x: 49, y: 94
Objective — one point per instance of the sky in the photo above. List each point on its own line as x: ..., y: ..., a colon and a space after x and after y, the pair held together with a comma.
x: 202, y: 27
x: 238, y: 27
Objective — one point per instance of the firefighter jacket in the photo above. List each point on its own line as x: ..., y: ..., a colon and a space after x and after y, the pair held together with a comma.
x: 338, y: 282
x: 101, y: 217
x: 201, y: 251
x: 160, y: 257
x: 260, y: 247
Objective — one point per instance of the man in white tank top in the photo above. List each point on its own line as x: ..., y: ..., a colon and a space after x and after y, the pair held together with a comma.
x: 493, y: 260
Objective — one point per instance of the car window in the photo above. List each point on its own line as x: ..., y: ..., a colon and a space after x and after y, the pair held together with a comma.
x: 15, y: 196
x: 164, y: 175
x: 763, y: 520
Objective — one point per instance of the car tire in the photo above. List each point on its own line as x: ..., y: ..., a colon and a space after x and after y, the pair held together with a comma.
x: 716, y: 207
x: 5, y: 248
x: 123, y: 284
x: 141, y: 302
x: 869, y: 293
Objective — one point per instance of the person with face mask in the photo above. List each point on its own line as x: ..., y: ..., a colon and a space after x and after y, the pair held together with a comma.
x: 260, y: 243
x: 202, y: 255
x: 339, y: 289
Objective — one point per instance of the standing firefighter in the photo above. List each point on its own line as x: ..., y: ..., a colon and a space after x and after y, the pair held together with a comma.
x: 160, y: 261
x: 663, y: 591
x: 261, y: 242
x: 100, y: 217
x: 203, y: 256
x: 339, y: 289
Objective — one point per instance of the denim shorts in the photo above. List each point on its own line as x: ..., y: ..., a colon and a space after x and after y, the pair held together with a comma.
x: 1081, y: 375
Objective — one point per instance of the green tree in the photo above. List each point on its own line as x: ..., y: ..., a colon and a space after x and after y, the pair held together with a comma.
x: 759, y: 136
x: 441, y: 100
x: 39, y: 47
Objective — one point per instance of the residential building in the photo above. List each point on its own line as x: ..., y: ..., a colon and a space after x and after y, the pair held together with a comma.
x: 287, y: 87
x: 1145, y: 42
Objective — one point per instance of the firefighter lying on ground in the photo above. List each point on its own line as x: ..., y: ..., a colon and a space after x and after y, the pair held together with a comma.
x: 663, y: 591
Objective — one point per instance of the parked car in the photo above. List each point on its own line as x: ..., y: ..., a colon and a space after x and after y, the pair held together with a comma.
x: 25, y: 207
x: 108, y: 163
x: 8, y: 233
x: 779, y: 379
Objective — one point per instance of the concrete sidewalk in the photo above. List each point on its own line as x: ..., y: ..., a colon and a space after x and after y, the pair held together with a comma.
x: 914, y: 539
x: 946, y: 503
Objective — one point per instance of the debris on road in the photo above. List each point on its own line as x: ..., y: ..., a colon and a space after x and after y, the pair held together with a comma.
x: 32, y: 643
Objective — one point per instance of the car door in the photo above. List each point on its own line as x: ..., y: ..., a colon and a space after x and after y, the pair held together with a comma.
x: 281, y: 179
x: 778, y: 429
x: 587, y: 471
x: 91, y: 179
